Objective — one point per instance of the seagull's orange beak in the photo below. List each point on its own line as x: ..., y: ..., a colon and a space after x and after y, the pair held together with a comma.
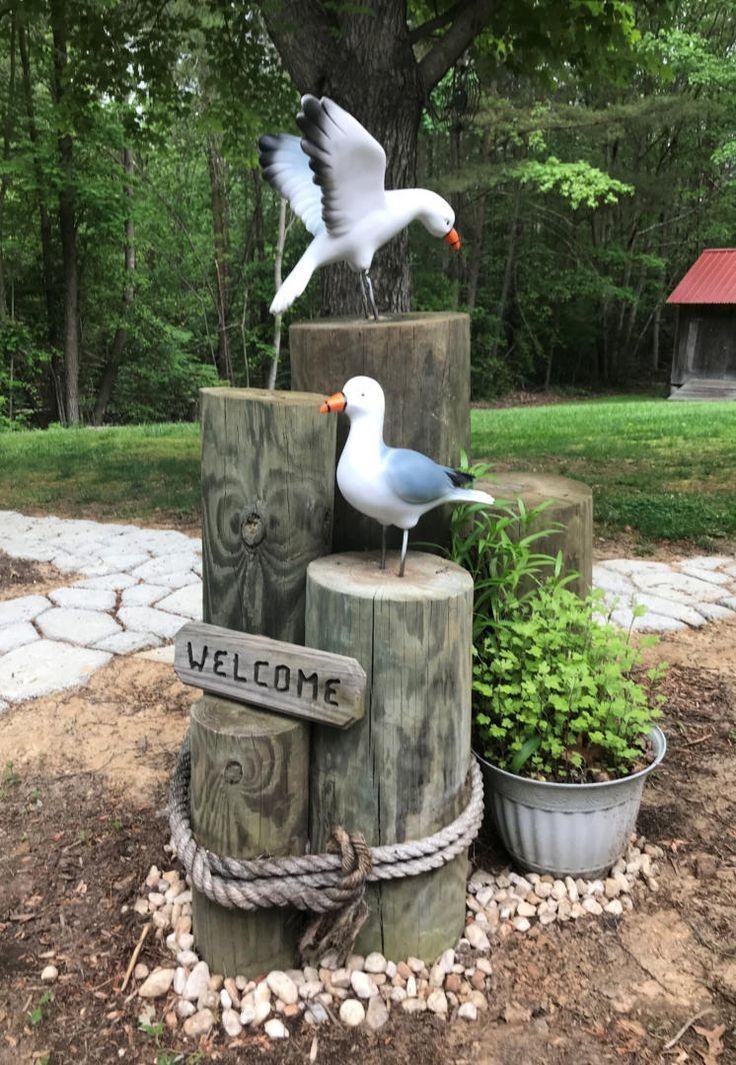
x: 334, y: 403
x: 453, y: 239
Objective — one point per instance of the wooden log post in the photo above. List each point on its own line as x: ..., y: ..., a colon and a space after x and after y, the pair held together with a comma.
x: 400, y: 772
x: 268, y: 470
x: 569, y: 516
x: 422, y: 362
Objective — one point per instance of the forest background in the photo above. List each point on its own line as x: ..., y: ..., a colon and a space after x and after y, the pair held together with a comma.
x: 588, y: 147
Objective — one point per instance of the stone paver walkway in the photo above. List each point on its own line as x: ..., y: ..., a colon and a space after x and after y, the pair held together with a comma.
x: 139, y: 586
x: 684, y: 594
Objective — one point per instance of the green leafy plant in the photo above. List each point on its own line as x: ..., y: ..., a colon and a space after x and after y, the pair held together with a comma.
x: 36, y: 1015
x: 555, y: 692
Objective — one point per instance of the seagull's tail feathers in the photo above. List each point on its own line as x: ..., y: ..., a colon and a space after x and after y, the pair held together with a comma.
x: 472, y: 495
x: 295, y: 284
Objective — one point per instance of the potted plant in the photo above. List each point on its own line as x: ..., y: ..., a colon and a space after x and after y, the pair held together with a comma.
x: 565, y: 732
x: 563, y: 729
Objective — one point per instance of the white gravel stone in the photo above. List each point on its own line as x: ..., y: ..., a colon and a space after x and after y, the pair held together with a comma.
x: 521, y: 924
x: 437, y: 1003
x: 50, y: 974
x: 362, y: 984
x: 543, y: 889
x: 186, y: 601
x: 317, y: 1014
x: 352, y: 1012
x: 180, y: 979
x: 376, y: 1015
x: 84, y: 598
x: 17, y: 635
x: 197, y: 981
x: 46, y: 666
x: 283, y: 987
x: 572, y: 889
x: 199, y: 1024
x: 276, y: 1029
x: 231, y: 1022
x: 525, y: 909
x: 590, y: 905
x: 82, y: 627
x: 141, y: 971
x: 149, y: 619
x: 24, y: 608
x: 477, y: 937
x: 375, y: 963
x: 615, y: 907
x: 157, y: 984
x: 185, y: 1009
x: 468, y: 1012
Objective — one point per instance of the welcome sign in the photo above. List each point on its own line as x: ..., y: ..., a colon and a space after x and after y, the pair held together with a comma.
x: 300, y: 681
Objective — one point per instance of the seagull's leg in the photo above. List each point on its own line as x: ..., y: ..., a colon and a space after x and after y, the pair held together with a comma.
x: 369, y: 283
x: 363, y: 295
x: 383, y: 547
x: 404, y: 545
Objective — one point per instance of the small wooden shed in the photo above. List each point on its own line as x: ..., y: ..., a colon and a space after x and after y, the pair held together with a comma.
x: 704, y: 361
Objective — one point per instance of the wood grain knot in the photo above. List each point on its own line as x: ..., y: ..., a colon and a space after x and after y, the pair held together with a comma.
x: 233, y: 773
x: 252, y: 529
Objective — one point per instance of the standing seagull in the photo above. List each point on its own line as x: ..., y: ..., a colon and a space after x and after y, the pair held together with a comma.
x: 391, y: 484
x: 334, y: 180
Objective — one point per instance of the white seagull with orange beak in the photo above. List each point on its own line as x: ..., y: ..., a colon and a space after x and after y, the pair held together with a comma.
x: 393, y: 485
x: 334, y: 179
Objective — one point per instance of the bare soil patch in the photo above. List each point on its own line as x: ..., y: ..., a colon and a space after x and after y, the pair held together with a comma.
x: 82, y: 818
x: 20, y: 576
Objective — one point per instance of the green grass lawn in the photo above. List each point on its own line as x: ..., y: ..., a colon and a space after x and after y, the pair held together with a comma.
x: 142, y: 473
x: 667, y: 470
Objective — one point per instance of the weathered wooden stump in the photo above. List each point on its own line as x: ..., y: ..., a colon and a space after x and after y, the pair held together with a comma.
x: 570, y: 507
x: 249, y: 773
x: 400, y: 773
x: 422, y: 362
x: 268, y: 472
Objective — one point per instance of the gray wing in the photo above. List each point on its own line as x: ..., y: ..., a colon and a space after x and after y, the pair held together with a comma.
x: 415, y: 477
x: 349, y: 164
x: 286, y: 168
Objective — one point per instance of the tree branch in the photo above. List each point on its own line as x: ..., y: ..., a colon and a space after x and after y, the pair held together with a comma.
x: 435, y: 23
x: 471, y: 17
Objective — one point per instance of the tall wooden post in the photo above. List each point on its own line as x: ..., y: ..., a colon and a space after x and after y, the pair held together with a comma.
x: 422, y: 361
x: 400, y: 772
x: 268, y: 469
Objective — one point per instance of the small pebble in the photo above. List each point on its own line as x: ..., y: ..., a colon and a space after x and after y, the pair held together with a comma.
x: 437, y: 1003
x: 283, y: 987
x: 231, y: 1022
x: 375, y: 963
x: 157, y: 984
x: 376, y: 1014
x: 276, y: 1029
x: 468, y: 1011
x: 352, y: 1012
x: 477, y: 937
x: 50, y: 974
x: 199, y: 1024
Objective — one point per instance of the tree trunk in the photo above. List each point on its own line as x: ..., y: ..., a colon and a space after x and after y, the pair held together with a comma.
x: 7, y: 130
x: 508, y: 272
x: 67, y: 221
x: 218, y: 195
x: 115, y: 356
x: 278, y: 260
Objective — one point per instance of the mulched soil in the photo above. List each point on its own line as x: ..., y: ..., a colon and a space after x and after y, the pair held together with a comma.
x: 599, y: 991
x: 20, y: 576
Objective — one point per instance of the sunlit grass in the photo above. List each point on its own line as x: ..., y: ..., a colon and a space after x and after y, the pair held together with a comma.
x: 665, y: 470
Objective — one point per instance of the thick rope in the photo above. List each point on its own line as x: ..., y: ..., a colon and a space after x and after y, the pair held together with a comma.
x: 316, y: 882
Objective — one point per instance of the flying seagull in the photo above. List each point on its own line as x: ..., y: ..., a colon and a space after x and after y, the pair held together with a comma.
x: 334, y: 180
x: 393, y: 485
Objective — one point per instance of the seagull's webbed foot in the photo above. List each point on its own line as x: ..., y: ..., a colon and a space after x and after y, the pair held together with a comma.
x: 369, y: 285
x: 404, y: 545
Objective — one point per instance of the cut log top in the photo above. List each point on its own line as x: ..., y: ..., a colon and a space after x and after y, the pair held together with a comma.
x: 391, y: 321
x: 534, y: 487
x: 267, y: 396
x: 221, y: 716
x: 359, y: 574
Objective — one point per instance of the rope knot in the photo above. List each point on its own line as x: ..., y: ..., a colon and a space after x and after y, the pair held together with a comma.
x: 356, y: 860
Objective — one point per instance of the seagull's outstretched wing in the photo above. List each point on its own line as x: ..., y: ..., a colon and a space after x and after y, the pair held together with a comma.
x: 349, y: 165
x: 417, y: 479
x: 286, y: 168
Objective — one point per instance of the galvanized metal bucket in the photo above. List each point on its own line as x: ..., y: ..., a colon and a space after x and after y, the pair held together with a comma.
x: 566, y: 829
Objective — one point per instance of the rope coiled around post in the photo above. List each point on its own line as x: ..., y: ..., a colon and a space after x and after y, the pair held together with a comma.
x: 321, y: 883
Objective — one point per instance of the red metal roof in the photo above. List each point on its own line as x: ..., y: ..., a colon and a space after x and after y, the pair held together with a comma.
x: 711, y: 279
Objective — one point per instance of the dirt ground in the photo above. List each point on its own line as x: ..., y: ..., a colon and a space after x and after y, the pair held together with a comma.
x: 82, y: 817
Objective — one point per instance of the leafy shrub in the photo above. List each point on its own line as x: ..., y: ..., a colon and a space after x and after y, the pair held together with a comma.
x: 555, y: 694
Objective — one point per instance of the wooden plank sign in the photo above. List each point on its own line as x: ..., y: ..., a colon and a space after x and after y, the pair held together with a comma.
x: 300, y: 681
